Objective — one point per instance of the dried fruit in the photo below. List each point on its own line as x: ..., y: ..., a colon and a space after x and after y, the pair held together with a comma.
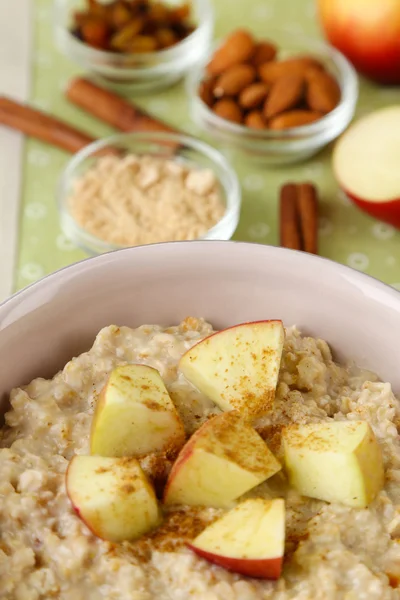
x: 157, y: 11
x: 237, y: 48
x: 285, y: 94
x: 253, y: 95
x: 323, y: 92
x: 294, y: 118
x: 116, y: 25
x: 180, y: 13
x: 95, y: 32
x: 124, y: 37
x: 264, y: 52
x: 255, y: 120
x: 142, y: 44
x: 120, y: 15
x: 165, y: 38
x: 97, y: 9
x: 234, y: 80
x: 271, y: 71
x: 228, y: 109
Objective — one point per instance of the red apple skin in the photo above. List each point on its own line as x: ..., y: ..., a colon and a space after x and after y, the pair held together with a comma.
x: 91, y: 529
x: 264, y: 568
x: 183, y: 455
x: 368, y: 33
x: 182, y: 458
x: 389, y: 212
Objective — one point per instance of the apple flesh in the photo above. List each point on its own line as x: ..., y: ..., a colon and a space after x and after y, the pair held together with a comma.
x: 368, y: 33
x: 223, y: 460
x: 238, y: 368
x: 135, y: 415
x: 112, y: 497
x: 249, y: 539
x: 366, y: 163
x: 336, y: 461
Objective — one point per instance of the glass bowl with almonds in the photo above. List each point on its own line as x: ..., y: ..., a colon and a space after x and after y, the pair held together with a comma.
x: 134, y: 45
x: 278, y: 99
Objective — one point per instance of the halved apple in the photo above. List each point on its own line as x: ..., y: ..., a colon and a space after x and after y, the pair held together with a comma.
x: 335, y: 461
x: 366, y: 163
x: 135, y: 415
x: 238, y: 367
x: 112, y: 497
x: 249, y: 539
x: 224, y: 459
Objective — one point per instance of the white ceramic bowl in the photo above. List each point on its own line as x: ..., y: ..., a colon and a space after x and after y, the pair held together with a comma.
x: 46, y: 324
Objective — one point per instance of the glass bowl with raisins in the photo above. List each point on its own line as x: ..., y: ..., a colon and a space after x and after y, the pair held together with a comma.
x: 277, y: 97
x: 135, y: 45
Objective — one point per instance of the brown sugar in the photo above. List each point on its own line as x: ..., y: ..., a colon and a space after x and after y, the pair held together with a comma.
x: 133, y: 200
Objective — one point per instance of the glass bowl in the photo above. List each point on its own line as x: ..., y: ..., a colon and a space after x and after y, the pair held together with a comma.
x: 293, y: 144
x: 182, y: 148
x: 136, y: 72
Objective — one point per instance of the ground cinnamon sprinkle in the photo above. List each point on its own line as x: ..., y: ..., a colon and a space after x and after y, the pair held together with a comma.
x: 272, y: 435
x: 136, y: 200
x: 394, y: 580
x: 177, y: 528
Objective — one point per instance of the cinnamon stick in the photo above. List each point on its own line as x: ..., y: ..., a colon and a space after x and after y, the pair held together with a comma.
x: 111, y: 108
x: 289, y: 230
x: 299, y: 217
x: 37, y: 124
x: 307, y: 207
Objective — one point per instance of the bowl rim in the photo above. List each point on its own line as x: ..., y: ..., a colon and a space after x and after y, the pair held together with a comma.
x: 365, y: 281
x: 349, y: 93
x: 166, y: 56
x: 232, y: 192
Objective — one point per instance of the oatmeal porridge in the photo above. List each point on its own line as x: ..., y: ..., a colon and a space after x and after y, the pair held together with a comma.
x: 333, y: 551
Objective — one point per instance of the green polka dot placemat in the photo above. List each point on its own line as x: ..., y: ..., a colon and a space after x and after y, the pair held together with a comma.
x: 346, y: 235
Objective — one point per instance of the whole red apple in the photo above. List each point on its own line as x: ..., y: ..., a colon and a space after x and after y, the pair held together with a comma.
x: 368, y: 33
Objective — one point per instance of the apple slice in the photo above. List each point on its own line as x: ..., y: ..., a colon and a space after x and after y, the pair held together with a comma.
x: 238, y: 367
x: 112, y: 497
x: 336, y: 461
x: 223, y: 460
x: 249, y: 539
x: 366, y: 162
x: 135, y: 415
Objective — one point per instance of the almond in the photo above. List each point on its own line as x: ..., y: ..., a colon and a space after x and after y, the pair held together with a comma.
x: 285, y: 93
x: 237, y: 48
x: 255, y: 120
x: 206, y: 92
x: 271, y: 71
x: 228, y: 109
x: 294, y: 118
x: 264, y: 52
x: 312, y: 72
x: 253, y: 95
x: 234, y: 80
x: 323, y: 92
